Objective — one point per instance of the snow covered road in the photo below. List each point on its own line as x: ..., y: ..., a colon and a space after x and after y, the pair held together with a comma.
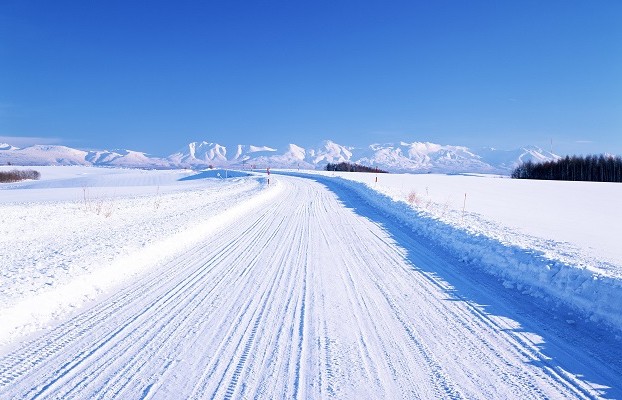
x: 318, y: 295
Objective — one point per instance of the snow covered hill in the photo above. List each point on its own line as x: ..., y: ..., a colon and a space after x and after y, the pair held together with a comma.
x: 419, y: 157
x: 204, y: 154
x: 43, y: 155
x: 424, y: 157
x: 6, y: 146
x: 62, y: 155
x: 509, y: 159
x: 125, y: 158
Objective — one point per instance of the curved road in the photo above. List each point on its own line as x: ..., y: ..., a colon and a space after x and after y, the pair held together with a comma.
x: 316, y: 296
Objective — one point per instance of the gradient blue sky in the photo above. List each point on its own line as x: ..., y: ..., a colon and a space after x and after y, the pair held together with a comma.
x: 155, y: 75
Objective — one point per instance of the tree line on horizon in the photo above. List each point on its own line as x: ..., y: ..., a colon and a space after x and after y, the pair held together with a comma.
x: 593, y: 168
x: 350, y: 167
x: 17, y: 175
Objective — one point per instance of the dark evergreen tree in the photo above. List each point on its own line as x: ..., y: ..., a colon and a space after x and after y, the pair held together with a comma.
x: 594, y: 168
x: 349, y: 167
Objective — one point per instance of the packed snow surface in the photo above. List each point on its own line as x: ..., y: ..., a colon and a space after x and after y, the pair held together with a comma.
x: 551, y: 239
x: 181, y: 284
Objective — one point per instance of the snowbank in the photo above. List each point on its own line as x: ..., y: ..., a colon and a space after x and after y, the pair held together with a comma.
x: 81, y: 231
x: 535, y: 265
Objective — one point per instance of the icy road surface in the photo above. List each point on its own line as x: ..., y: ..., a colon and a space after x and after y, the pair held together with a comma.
x: 316, y: 296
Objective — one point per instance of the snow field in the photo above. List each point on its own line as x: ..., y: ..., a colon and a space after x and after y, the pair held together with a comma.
x: 556, y: 240
x: 318, y: 294
x: 104, y: 227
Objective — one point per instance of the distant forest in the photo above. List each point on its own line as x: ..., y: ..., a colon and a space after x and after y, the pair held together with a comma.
x: 596, y: 168
x: 16, y: 175
x: 349, y: 167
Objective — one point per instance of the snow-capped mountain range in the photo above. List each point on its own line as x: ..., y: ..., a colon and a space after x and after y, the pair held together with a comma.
x: 394, y: 157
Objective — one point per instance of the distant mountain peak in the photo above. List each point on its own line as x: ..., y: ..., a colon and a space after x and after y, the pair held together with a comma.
x: 418, y: 156
x: 6, y: 146
x: 256, y: 149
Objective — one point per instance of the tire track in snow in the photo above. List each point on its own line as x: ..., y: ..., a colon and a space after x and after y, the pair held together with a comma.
x: 183, y: 288
x: 479, y: 335
x: 233, y: 334
x: 173, y: 300
x: 372, y: 333
x: 284, y: 257
x: 231, y: 248
x: 482, y: 323
x: 63, y: 337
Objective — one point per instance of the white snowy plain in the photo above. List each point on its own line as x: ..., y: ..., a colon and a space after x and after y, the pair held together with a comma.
x: 181, y: 284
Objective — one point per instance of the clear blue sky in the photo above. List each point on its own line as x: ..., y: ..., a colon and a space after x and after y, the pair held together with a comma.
x: 155, y: 75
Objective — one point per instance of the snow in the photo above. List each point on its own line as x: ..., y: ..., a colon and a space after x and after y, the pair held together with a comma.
x: 510, y: 159
x: 403, y: 156
x: 294, y: 157
x: 581, y: 216
x: 255, y: 149
x: 124, y: 158
x: 244, y: 153
x: 47, y: 155
x: 182, y: 284
x: 6, y: 146
x: 81, y: 230
x: 295, y: 152
x: 200, y: 153
x: 421, y: 156
x: 558, y: 240
x: 330, y: 152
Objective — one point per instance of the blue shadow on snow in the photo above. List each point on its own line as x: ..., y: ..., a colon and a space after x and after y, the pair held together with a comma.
x: 215, y: 173
x: 579, y: 349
